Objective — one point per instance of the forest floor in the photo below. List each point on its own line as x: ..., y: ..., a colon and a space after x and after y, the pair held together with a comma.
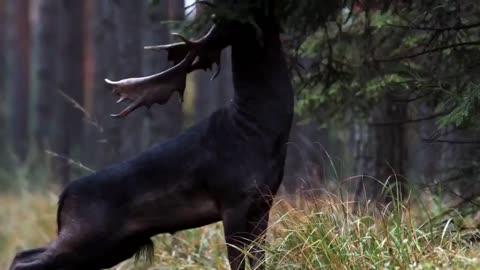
x: 324, y: 234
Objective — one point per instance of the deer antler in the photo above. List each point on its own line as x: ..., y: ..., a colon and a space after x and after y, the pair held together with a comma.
x: 188, y: 55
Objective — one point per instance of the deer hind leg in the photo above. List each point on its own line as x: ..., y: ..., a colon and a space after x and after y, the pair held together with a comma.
x: 83, y: 254
x: 24, y: 257
x: 33, y: 259
x: 47, y: 258
x: 245, y: 226
x: 28, y: 255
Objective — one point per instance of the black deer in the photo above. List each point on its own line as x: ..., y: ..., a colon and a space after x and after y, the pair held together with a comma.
x: 226, y: 168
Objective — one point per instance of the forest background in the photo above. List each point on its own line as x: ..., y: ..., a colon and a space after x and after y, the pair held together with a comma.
x: 387, y: 94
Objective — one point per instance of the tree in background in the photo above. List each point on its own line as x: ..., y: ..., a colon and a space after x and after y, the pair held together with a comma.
x: 166, y: 121
x: 128, y: 20
x: 118, y: 50
x: 3, y: 86
x: 385, y: 68
x: 106, y: 134
x: 69, y: 117
x: 45, y: 87
x: 2, y: 48
x: 387, y: 88
x: 18, y: 25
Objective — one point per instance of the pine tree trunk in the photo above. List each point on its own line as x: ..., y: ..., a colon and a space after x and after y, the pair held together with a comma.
x: 70, y: 71
x: 204, y: 91
x: 176, y: 10
x: 118, y: 53
x: 307, y: 163
x: 107, y: 133
x: 223, y: 84
x: 128, y: 21
x: 164, y: 121
x: 3, y: 55
x: 3, y: 77
x: 91, y: 125
x: 458, y: 163
x: 19, y: 74
x: 379, y: 152
x: 423, y: 154
x: 204, y: 95
x: 45, y: 42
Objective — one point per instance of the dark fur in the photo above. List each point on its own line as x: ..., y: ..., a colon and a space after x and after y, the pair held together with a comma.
x: 226, y: 168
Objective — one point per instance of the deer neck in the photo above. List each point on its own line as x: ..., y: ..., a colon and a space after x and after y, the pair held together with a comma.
x: 263, y: 91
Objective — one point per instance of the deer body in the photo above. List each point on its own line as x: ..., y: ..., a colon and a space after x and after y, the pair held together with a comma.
x: 226, y: 168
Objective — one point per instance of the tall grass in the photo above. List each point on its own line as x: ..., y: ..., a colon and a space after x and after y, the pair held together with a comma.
x: 324, y: 233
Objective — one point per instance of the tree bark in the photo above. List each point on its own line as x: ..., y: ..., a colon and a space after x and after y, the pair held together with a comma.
x: 211, y: 95
x: 106, y: 133
x: 70, y: 70
x: 3, y: 77
x: 204, y: 92
x: 164, y: 121
x: 307, y: 163
x: 2, y: 49
x: 204, y: 95
x: 118, y: 54
x: 19, y: 74
x: 423, y: 154
x: 458, y: 167
x: 128, y: 20
x: 380, y: 152
x: 45, y: 42
x: 176, y: 10
x: 223, y: 85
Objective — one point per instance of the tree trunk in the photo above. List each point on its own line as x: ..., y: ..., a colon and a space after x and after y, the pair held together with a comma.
x: 3, y: 77
x: 211, y: 95
x: 204, y: 95
x: 128, y: 21
x: 164, y: 121
x: 176, y: 10
x: 204, y: 92
x: 89, y: 79
x: 45, y: 42
x: 458, y: 164
x: 422, y: 154
x: 379, y: 152
x: 70, y: 71
x: 3, y: 55
x: 19, y: 74
x: 307, y: 163
x: 118, y: 53
x: 223, y: 84
x: 106, y: 133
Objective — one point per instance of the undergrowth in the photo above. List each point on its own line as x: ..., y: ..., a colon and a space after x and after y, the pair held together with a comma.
x: 325, y: 233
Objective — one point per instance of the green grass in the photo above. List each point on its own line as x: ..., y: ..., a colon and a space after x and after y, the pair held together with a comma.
x: 321, y: 234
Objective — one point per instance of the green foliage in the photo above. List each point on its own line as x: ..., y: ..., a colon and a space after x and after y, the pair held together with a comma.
x: 426, y: 49
x: 465, y: 107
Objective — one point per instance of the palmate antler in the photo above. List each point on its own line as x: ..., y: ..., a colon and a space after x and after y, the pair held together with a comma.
x: 188, y: 55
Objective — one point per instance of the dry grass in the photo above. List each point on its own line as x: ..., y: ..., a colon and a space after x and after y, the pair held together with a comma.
x: 324, y: 234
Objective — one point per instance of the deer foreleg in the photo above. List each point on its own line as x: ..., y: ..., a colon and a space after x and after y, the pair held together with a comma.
x: 244, y: 226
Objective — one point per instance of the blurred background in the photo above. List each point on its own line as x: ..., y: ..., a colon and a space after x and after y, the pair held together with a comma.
x: 387, y: 93
x: 55, y: 106
x: 382, y: 92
